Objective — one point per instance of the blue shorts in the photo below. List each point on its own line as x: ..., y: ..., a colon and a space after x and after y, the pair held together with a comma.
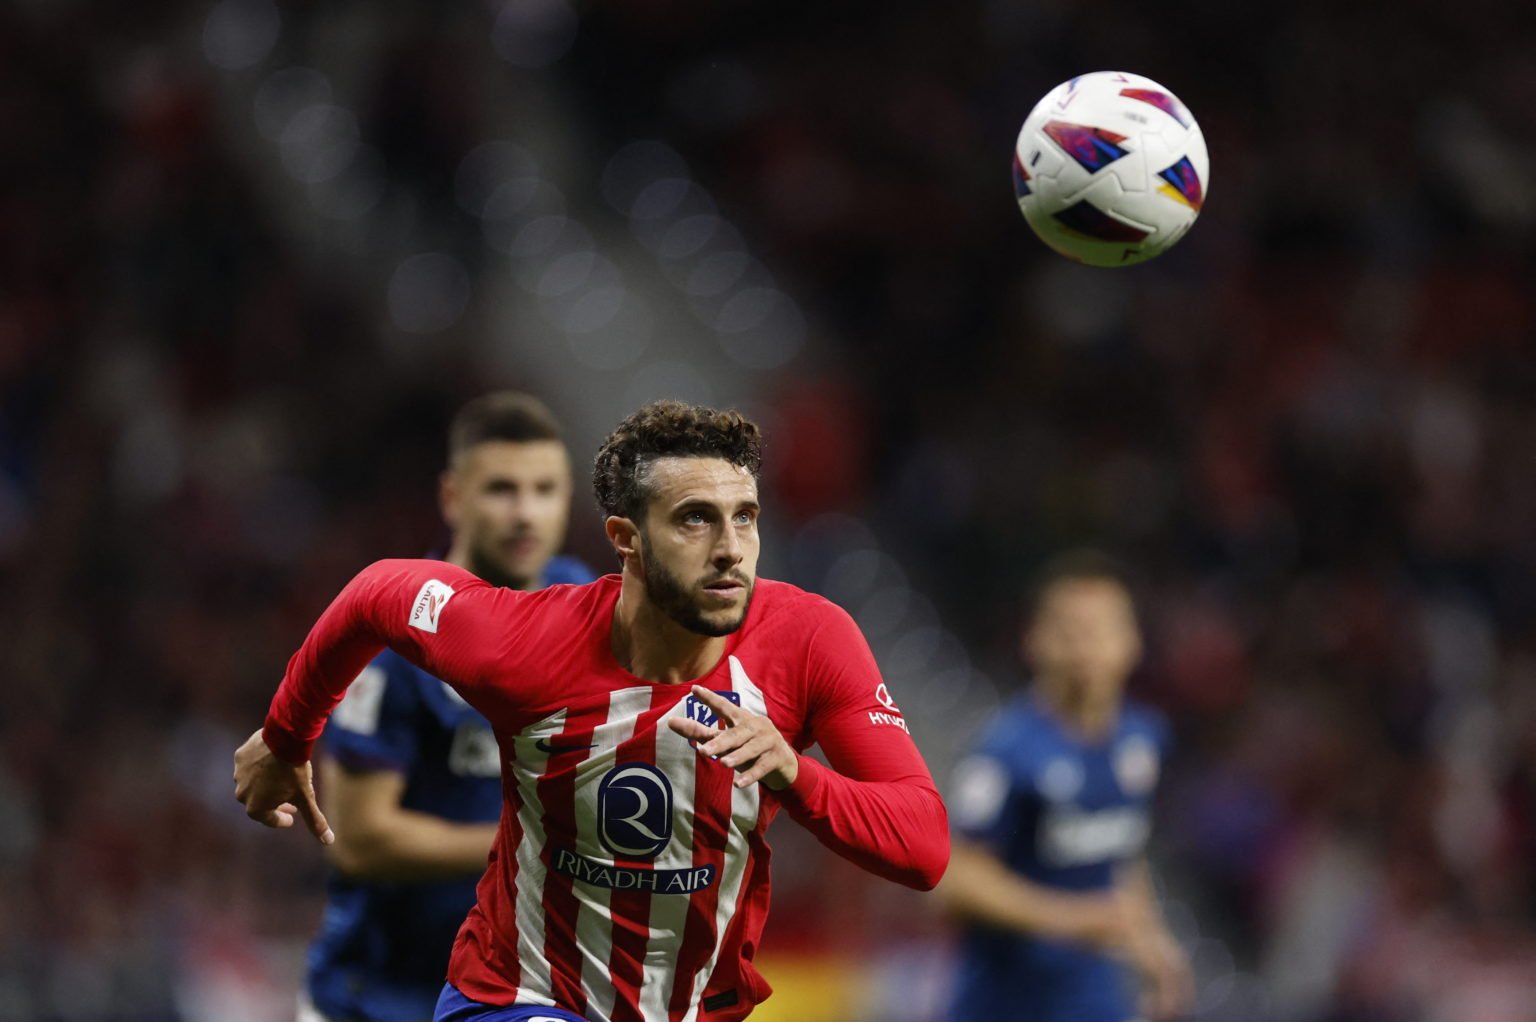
x: 453, y: 1006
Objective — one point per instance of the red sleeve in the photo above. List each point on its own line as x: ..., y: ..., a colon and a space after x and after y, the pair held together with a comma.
x: 877, y: 806
x: 438, y: 616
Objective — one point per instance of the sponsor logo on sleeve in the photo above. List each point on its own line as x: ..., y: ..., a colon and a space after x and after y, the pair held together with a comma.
x: 428, y: 608
x: 893, y: 717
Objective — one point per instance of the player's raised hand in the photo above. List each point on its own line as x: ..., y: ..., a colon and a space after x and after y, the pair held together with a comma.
x: 747, y: 742
x: 274, y: 792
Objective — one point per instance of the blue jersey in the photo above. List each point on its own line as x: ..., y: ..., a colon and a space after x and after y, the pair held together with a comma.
x: 382, y: 951
x: 1063, y: 813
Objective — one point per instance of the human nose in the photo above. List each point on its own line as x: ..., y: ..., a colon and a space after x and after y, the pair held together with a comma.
x: 519, y: 509
x: 727, y: 552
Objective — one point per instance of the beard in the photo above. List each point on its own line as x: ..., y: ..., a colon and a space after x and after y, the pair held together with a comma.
x: 668, y: 593
x: 493, y: 571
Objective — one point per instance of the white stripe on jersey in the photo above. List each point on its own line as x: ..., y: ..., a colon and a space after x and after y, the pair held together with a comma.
x: 745, y: 803
x: 594, y: 920
x: 528, y: 766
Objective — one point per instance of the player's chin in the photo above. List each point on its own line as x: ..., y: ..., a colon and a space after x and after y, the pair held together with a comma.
x: 525, y: 566
x: 718, y: 623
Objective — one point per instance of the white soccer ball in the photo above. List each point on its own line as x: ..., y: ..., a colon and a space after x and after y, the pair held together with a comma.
x: 1110, y: 169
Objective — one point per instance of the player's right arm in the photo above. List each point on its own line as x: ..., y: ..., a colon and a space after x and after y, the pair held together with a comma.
x: 438, y: 616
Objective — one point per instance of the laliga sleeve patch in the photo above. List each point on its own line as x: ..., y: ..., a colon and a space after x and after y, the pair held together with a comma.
x: 428, y: 608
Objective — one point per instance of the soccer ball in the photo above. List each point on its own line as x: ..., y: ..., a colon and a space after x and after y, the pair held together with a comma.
x: 1110, y: 169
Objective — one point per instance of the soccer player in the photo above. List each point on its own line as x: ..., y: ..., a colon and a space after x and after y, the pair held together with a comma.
x: 651, y: 726
x: 1051, y: 814
x: 410, y: 771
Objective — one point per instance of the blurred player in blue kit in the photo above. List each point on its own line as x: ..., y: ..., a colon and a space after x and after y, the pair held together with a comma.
x: 1051, y: 813
x: 411, y: 772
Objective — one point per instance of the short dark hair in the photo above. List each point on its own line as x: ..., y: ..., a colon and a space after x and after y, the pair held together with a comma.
x: 668, y: 429
x: 1084, y: 564
x: 507, y: 415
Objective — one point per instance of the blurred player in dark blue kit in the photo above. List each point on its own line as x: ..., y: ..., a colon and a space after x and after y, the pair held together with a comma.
x: 412, y: 773
x: 1051, y: 812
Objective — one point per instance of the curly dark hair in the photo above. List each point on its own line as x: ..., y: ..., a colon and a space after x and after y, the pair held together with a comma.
x: 668, y: 429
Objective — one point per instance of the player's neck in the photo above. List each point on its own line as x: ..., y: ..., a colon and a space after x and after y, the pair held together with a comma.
x: 1085, y: 717
x: 650, y: 645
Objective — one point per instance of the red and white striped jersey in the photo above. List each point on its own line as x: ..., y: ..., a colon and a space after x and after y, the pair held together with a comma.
x: 629, y: 878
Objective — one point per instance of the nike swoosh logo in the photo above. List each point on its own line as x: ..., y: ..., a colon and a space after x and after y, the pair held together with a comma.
x: 549, y: 750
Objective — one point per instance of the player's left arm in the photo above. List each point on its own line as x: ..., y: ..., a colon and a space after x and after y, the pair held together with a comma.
x: 878, y: 805
x: 1156, y: 954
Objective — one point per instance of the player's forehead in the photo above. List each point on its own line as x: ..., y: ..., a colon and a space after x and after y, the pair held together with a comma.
x: 517, y: 459
x: 1076, y: 598
x: 673, y: 481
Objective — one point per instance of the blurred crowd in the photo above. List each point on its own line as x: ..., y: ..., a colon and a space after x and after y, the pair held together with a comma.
x: 1311, y: 429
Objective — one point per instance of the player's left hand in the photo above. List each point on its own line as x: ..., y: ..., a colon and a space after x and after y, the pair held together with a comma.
x: 750, y: 744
